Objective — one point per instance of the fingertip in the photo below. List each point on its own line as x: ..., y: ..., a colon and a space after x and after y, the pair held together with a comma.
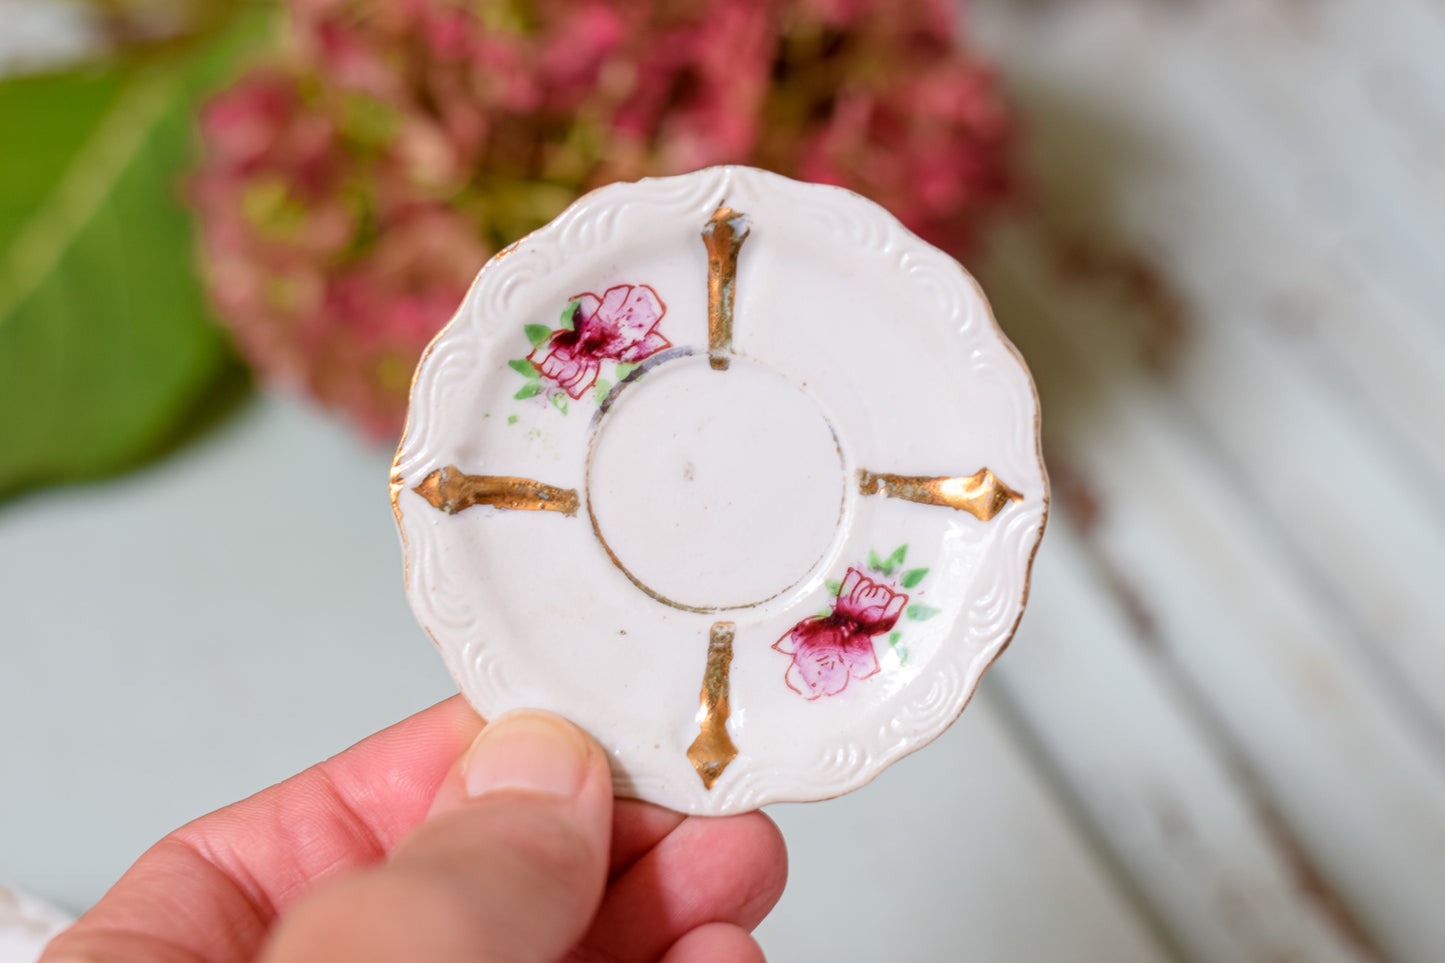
x: 728, y: 869
x: 756, y: 835
x: 528, y: 750
x: 638, y: 826
x: 714, y: 943
x: 113, y: 946
x: 510, y: 863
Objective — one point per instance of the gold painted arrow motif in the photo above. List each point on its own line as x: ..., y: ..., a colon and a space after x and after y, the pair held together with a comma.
x: 450, y: 490
x: 724, y: 236
x: 981, y: 494
x: 713, y: 749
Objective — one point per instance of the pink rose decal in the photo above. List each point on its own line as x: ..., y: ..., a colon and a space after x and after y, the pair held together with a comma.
x: 619, y: 326
x: 829, y: 650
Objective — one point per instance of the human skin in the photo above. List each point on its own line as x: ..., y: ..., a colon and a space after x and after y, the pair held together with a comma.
x: 442, y: 839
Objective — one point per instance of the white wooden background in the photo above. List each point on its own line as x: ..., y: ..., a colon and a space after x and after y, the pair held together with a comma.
x: 1220, y: 733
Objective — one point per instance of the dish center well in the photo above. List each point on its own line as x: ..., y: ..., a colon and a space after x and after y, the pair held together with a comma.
x: 715, y: 490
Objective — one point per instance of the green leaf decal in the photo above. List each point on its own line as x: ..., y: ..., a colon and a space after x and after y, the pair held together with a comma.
x: 913, y: 576
x: 523, y: 367
x: 560, y: 403
x: 874, y: 562
x: 568, y: 321
x: 511, y: 419
x: 895, y: 561
x: 625, y: 368
x: 833, y: 586
x: 600, y: 392
x: 921, y: 612
x: 528, y: 390
x: 108, y: 354
x: 537, y: 333
x: 893, y: 637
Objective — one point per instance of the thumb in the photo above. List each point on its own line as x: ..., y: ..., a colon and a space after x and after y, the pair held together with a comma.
x: 510, y: 864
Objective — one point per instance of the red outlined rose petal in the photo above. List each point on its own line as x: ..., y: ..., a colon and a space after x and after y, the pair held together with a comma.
x: 862, y: 660
x: 822, y: 657
x: 574, y: 373
x: 612, y: 301
x: 646, y: 348
x: 639, y: 313
x: 794, y: 680
x: 873, y: 605
x: 583, y: 378
x: 588, y: 304
x: 823, y: 672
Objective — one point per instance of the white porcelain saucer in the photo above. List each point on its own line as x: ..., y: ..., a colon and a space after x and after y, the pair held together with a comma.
x: 26, y: 925
x: 734, y: 472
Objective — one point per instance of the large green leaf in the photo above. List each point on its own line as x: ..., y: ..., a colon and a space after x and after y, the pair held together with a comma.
x: 107, y: 349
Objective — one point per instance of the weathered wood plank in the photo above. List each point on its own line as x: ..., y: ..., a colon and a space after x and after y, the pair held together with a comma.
x: 1327, y: 118
x: 1153, y: 779
x: 1271, y: 495
x: 1238, y: 147
x: 1280, y: 687
x: 960, y: 852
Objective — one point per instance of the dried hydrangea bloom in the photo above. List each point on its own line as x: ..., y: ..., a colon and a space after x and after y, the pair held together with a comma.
x: 350, y: 189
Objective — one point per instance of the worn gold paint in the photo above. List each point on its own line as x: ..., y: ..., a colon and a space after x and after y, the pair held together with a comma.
x: 724, y: 235
x: 395, y: 486
x: 713, y: 749
x: 450, y: 490
x: 981, y: 494
x: 641, y: 585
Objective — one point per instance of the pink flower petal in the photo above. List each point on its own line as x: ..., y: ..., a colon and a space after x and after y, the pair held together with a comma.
x: 861, y: 658
x: 873, y: 605
x: 612, y: 301
x: 822, y: 659
x: 574, y: 372
x: 588, y: 305
x: 794, y: 680
x: 584, y: 373
x: 823, y: 672
x: 646, y: 348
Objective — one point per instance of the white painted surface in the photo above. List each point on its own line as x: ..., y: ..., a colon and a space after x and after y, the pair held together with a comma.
x: 958, y: 853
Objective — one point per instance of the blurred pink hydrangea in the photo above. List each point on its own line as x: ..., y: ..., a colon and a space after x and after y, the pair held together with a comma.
x: 350, y: 189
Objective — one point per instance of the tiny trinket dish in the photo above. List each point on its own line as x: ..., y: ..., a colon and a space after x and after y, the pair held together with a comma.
x: 734, y: 472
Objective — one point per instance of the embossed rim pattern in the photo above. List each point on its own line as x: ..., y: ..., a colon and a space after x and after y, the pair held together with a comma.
x: 981, y: 629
